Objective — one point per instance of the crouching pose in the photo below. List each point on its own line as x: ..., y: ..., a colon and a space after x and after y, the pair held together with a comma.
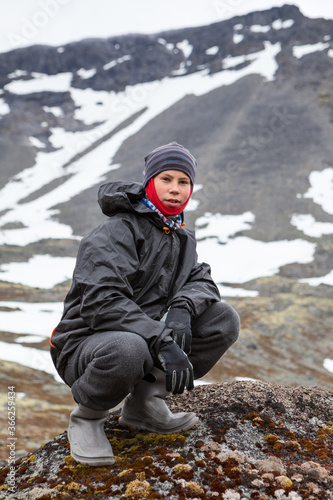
x: 142, y: 318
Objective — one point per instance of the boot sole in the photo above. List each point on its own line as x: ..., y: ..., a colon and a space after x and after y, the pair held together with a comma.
x: 93, y: 462
x: 135, y: 425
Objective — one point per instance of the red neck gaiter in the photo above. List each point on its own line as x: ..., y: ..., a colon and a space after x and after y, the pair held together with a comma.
x: 168, y: 211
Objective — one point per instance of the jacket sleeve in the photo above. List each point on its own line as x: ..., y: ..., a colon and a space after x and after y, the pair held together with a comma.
x: 107, y: 265
x: 199, y: 291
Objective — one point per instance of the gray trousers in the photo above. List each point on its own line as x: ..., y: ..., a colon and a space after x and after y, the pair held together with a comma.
x: 105, y: 367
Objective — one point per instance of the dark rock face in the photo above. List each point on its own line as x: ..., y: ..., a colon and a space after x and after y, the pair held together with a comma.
x: 254, y: 440
x: 148, y: 58
x: 256, y: 142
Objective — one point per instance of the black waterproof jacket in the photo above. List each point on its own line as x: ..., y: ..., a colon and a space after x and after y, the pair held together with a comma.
x: 128, y: 273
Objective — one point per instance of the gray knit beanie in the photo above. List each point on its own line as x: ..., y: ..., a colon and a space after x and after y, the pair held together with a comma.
x: 171, y: 156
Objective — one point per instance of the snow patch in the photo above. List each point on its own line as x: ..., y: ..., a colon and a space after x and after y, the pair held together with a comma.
x: 328, y: 364
x: 55, y: 110
x: 212, y: 51
x: 192, y: 205
x: 310, y: 227
x: 30, y: 318
x: 41, y: 82
x: 248, y: 379
x: 168, y: 46
x: 29, y: 356
x: 228, y: 291
x: 36, y: 142
x: 31, y: 339
x: 321, y: 190
x: 279, y: 24
x: 257, y: 28
x: 241, y: 259
x: 95, y: 106
x: 185, y: 47
x: 237, y: 38
x: 85, y: 74
x: 263, y: 63
x: 114, y: 63
x: 41, y: 271
x: 181, y: 70
x: 302, y: 50
x: 232, y: 62
x: 18, y: 73
x: 222, y: 227
x: 4, y: 108
x: 323, y: 280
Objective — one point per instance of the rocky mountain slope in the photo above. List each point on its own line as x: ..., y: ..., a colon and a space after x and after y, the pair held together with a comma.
x: 252, y: 98
x: 254, y: 440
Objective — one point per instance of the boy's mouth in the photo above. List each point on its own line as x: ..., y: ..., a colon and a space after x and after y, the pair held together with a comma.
x: 173, y: 202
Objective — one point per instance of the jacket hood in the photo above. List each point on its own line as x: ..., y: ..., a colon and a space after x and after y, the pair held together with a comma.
x: 121, y: 196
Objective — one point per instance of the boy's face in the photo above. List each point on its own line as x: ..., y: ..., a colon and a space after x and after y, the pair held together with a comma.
x: 172, y: 187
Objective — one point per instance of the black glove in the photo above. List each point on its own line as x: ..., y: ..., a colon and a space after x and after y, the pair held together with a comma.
x: 177, y: 367
x: 179, y: 320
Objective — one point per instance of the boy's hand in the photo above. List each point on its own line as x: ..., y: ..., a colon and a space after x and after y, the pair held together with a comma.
x: 177, y: 367
x: 179, y: 320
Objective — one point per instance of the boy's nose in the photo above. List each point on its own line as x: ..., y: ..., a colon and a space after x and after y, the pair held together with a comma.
x: 174, y: 187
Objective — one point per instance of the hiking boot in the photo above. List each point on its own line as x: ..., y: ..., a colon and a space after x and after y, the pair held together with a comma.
x: 88, y: 442
x: 145, y: 408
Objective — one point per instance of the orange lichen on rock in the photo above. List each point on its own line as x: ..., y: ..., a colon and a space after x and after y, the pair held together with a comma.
x: 193, y: 488
x: 284, y: 481
x: 137, y: 489
x: 183, y: 470
x: 230, y: 454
